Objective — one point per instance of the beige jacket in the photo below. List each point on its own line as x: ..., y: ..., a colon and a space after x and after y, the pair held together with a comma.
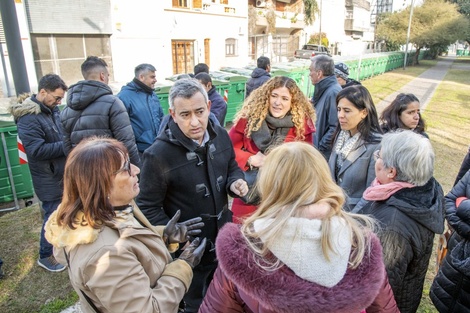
x: 122, y: 267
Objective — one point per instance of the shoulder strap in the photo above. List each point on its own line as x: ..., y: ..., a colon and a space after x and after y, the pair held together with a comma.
x: 84, y: 295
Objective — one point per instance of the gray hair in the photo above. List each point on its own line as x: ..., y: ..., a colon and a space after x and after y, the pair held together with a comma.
x: 410, y: 154
x: 143, y: 68
x: 324, y: 63
x: 185, y: 88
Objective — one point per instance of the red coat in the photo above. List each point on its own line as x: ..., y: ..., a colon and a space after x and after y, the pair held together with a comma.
x: 245, y: 147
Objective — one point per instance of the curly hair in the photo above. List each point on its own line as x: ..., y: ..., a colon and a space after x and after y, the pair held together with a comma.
x: 256, y: 106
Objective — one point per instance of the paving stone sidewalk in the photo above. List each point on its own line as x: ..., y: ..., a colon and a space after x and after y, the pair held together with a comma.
x: 423, y: 86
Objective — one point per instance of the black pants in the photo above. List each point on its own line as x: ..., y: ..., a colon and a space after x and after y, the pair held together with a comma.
x: 202, y: 277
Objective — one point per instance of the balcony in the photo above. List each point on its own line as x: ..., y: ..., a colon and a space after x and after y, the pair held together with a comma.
x: 284, y: 20
x: 354, y: 25
x: 358, y: 4
x: 217, y: 8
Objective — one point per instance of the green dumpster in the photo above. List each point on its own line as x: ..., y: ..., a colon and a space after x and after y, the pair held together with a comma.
x: 232, y: 88
x: 15, y: 178
x: 162, y: 94
x: 353, y: 66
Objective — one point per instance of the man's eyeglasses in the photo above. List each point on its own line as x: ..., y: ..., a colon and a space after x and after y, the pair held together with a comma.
x: 125, y: 167
x: 57, y: 98
x: 377, y: 155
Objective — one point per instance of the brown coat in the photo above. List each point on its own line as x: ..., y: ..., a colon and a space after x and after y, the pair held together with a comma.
x: 122, y: 267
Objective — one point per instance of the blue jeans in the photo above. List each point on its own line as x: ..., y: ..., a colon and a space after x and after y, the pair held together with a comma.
x: 45, y: 248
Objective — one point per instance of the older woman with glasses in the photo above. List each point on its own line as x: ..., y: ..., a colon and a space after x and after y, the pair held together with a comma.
x: 409, y: 205
x: 115, y: 264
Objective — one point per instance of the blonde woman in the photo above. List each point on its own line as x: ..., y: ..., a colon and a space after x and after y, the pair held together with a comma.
x: 275, y: 113
x: 299, y: 251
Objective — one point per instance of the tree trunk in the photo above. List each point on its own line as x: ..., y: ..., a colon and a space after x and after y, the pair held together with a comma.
x: 416, y: 57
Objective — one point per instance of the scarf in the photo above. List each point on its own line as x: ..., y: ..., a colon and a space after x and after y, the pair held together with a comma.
x: 273, y: 132
x: 146, y: 88
x: 380, y: 192
x: 344, y: 145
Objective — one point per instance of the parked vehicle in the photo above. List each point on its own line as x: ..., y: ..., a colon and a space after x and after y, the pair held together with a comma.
x: 310, y: 50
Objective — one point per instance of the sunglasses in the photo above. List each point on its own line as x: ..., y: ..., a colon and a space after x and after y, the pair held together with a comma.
x: 125, y: 167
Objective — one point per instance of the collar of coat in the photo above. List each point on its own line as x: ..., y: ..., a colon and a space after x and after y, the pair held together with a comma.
x: 283, y: 291
x: 323, y: 86
x: 174, y: 135
x: 61, y: 236
x: 27, y: 104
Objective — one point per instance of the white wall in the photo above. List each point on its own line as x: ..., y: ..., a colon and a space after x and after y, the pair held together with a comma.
x: 143, y: 30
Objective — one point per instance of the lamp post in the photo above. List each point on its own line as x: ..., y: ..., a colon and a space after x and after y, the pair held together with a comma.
x: 408, y: 35
x: 320, y: 20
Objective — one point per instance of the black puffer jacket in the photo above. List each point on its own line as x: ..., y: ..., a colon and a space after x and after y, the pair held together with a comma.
x: 40, y: 131
x: 450, y: 290
x: 258, y: 77
x: 92, y: 110
x: 409, y: 219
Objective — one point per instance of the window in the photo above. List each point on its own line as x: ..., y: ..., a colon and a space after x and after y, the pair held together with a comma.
x: 181, y: 3
x: 223, y: 1
x: 183, y: 56
x: 231, y: 47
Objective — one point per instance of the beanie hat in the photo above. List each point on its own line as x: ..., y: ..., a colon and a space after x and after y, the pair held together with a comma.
x: 342, y: 70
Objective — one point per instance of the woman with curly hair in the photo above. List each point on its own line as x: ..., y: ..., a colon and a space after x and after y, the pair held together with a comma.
x: 275, y: 113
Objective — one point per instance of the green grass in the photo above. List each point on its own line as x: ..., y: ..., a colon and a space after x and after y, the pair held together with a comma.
x: 28, y: 288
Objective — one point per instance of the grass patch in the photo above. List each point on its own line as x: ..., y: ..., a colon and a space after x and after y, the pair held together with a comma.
x: 28, y: 288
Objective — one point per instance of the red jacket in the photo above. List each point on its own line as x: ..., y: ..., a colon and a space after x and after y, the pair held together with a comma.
x: 245, y: 147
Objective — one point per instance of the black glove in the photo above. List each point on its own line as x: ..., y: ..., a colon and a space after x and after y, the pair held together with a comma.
x: 181, y: 232
x: 193, y: 253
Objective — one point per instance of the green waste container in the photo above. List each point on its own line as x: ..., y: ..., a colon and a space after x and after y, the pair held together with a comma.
x: 162, y: 94
x: 15, y: 178
x: 353, y: 66
x: 232, y: 88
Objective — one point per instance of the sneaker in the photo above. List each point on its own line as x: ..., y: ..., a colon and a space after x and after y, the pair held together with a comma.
x: 51, y: 264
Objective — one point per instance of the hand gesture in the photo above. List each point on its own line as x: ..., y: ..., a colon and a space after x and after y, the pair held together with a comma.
x: 239, y: 187
x: 180, y: 232
x: 193, y: 253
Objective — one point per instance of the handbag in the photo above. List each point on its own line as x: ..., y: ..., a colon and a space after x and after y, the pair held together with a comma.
x: 442, y: 249
x: 252, y: 197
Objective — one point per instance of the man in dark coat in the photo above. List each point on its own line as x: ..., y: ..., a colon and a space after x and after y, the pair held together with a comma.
x: 259, y: 76
x: 322, y: 74
x: 93, y: 110
x: 38, y: 121
x: 191, y: 167
x: 143, y: 106
x: 218, y: 104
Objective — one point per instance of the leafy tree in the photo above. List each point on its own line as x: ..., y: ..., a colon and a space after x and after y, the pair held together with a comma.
x: 315, y: 39
x: 434, y: 24
x: 310, y: 9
